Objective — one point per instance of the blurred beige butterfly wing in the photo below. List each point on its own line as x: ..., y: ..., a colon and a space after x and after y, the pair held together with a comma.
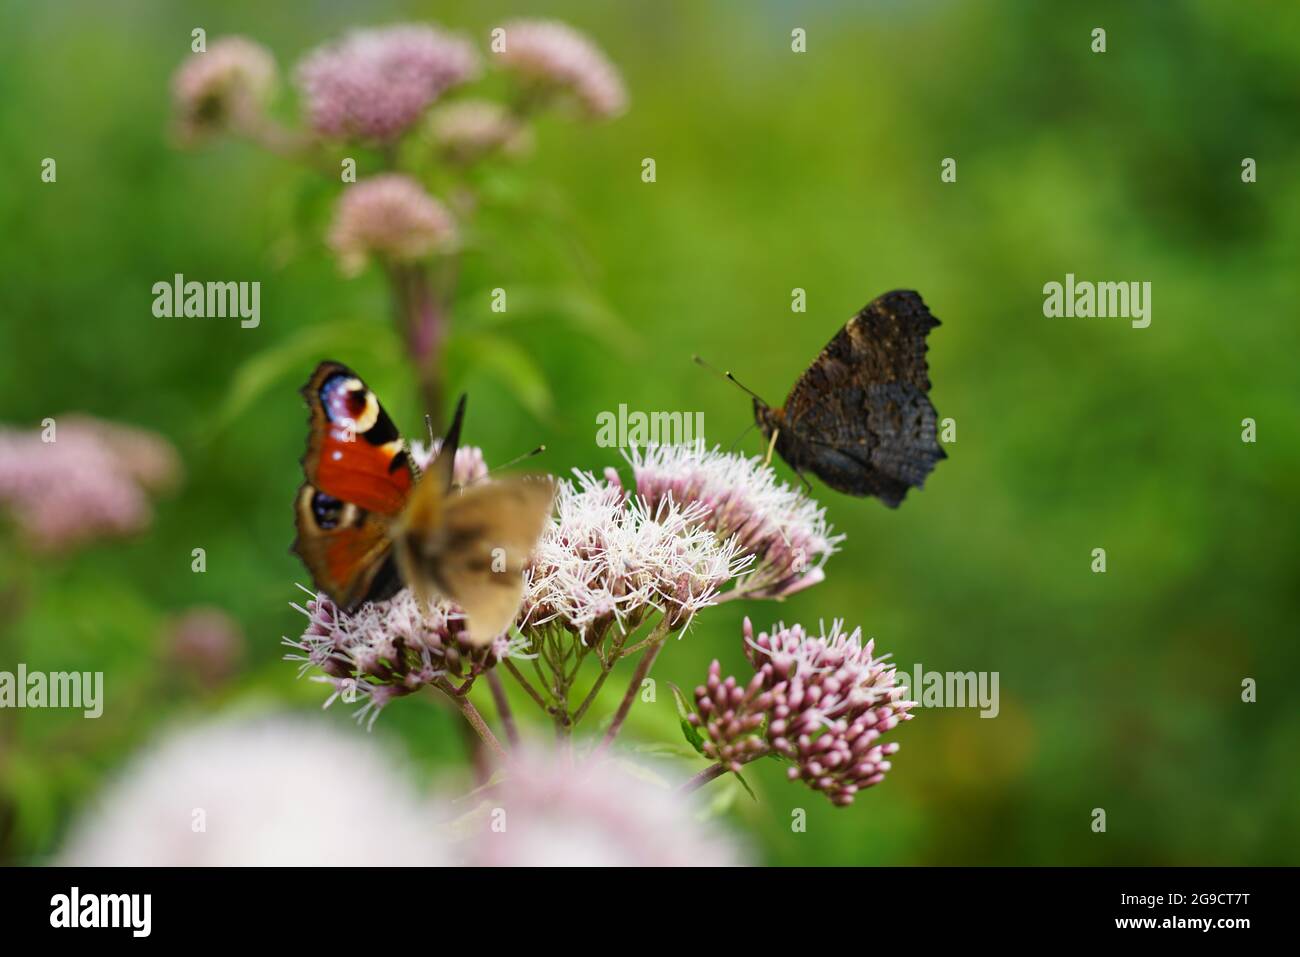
x: 470, y: 546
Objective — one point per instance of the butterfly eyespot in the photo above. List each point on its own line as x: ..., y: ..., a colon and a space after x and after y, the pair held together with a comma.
x: 348, y: 402
x: 326, y: 510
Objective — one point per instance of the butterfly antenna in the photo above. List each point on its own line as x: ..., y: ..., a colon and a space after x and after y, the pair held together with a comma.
x: 744, y: 433
x: 428, y: 424
x: 514, y: 461
x: 728, y: 375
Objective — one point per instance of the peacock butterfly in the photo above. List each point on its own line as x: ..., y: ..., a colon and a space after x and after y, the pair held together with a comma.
x: 369, y: 521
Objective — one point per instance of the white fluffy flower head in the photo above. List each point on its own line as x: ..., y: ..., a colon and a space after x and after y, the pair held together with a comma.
x: 784, y: 531
x: 609, y: 558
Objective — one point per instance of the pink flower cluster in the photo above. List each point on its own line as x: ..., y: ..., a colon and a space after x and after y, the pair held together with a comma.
x: 82, y: 479
x: 785, y: 532
x: 821, y: 703
x: 468, y: 130
x: 469, y: 467
x: 389, y: 649
x: 226, y: 85
x: 550, y: 57
x: 374, y: 85
x: 206, y: 643
x: 390, y: 217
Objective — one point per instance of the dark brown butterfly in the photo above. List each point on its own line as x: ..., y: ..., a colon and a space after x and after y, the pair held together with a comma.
x: 860, y: 418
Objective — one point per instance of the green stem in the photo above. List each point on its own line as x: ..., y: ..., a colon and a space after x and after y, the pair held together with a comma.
x: 526, y: 685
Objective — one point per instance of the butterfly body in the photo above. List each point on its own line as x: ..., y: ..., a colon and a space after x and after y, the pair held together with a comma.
x: 860, y: 417
x: 369, y: 522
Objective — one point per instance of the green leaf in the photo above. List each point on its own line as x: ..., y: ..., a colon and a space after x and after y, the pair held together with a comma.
x: 684, y: 707
x: 692, y: 736
x: 297, y: 355
x: 684, y: 711
x: 509, y: 365
x: 571, y: 304
x: 745, y: 784
x: 670, y: 749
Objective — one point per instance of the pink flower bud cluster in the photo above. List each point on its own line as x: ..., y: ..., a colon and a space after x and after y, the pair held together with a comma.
x: 822, y: 703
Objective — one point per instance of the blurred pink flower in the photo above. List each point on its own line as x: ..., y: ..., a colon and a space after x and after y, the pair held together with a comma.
x: 550, y: 57
x: 469, y: 466
x: 89, y: 482
x: 554, y: 808
x: 390, y: 217
x: 785, y: 531
x: 228, y: 85
x: 271, y: 792
x: 468, y: 130
x: 207, y: 643
x: 375, y: 84
x: 820, y: 702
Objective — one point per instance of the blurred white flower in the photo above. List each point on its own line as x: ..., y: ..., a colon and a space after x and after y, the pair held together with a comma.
x: 554, y: 808
x: 275, y: 791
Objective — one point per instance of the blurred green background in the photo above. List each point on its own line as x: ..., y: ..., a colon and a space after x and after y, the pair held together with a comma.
x: 775, y: 170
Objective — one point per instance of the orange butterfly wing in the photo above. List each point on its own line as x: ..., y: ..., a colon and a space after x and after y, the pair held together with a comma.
x: 359, y: 477
x: 354, y: 451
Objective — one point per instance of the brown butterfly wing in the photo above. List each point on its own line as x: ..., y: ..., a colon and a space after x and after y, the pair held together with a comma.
x: 471, y: 546
x: 359, y: 477
x: 346, y: 549
x: 860, y: 418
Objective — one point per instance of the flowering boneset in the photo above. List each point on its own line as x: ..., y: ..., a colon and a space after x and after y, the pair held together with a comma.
x: 389, y: 217
x: 608, y: 560
x: 626, y: 564
x: 550, y: 58
x: 784, y: 531
x: 376, y: 84
x: 227, y: 86
x: 387, y: 113
x: 468, y: 130
x: 82, y: 479
x: 206, y: 643
x: 821, y: 702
